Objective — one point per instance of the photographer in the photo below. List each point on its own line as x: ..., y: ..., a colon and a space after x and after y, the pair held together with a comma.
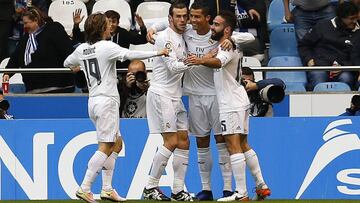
x: 4, y: 106
x: 133, y: 89
x: 262, y: 93
x: 354, y: 109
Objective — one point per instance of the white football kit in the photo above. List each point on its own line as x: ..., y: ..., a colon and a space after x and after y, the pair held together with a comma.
x: 165, y: 110
x: 199, y: 85
x: 98, y: 62
x: 232, y: 97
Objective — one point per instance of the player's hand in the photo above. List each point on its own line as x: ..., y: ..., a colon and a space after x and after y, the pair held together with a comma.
x: 311, y: 62
x: 139, y: 21
x: 192, y: 60
x: 226, y: 45
x: 250, y: 85
x: 5, y: 78
x: 163, y: 52
x: 130, y: 79
x: 253, y: 13
x: 211, y: 54
x: 77, y: 18
x: 150, y: 36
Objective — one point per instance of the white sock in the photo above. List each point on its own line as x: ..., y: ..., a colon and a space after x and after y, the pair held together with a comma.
x: 95, y: 164
x: 159, y: 163
x: 238, y: 167
x: 252, y: 162
x: 108, y: 171
x: 180, y: 165
x: 225, y: 165
x: 205, y: 165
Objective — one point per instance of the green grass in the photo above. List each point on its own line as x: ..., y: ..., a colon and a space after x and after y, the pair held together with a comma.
x: 143, y: 201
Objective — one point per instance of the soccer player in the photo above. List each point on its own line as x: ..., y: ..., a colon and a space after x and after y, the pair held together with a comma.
x: 165, y: 111
x: 97, y: 58
x: 204, y: 111
x: 233, y: 107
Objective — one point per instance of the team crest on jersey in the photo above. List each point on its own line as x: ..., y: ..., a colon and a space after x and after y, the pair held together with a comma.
x: 168, y: 46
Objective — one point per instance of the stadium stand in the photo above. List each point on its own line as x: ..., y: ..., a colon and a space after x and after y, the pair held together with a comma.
x: 331, y: 87
x: 283, y: 42
x: 276, y: 14
x: 62, y: 12
x: 295, y: 80
x: 120, y: 6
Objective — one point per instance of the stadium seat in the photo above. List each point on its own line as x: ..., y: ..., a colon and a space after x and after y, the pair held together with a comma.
x: 62, y: 12
x: 145, y: 47
x: 276, y: 15
x: 332, y: 87
x: 153, y: 9
x: 120, y: 6
x: 70, y: 1
x: 15, y: 80
x: 250, y: 62
x: 283, y: 42
x: 295, y: 80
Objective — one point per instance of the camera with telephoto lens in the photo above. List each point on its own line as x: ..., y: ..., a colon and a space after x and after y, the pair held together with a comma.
x: 140, y: 76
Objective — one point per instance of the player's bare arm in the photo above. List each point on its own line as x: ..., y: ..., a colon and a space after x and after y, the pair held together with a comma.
x: 208, y: 62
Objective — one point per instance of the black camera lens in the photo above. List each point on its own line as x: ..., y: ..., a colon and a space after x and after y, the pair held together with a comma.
x: 140, y: 76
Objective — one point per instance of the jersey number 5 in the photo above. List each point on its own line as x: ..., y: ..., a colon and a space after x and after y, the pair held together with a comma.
x: 92, y: 69
x: 223, y: 126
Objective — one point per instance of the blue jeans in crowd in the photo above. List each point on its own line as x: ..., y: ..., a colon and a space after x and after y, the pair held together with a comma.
x: 316, y: 77
x: 305, y: 20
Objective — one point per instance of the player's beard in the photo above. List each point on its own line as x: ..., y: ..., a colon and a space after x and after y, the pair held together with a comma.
x: 217, y: 35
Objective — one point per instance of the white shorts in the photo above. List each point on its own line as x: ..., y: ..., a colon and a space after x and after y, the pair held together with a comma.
x: 165, y: 115
x: 204, y: 115
x: 104, y: 113
x: 236, y: 122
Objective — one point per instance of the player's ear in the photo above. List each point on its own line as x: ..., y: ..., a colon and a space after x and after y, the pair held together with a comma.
x: 208, y: 17
x: 170, y: 19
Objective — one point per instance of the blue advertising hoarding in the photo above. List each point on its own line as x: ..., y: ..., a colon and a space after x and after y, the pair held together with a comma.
x: 304, y: 158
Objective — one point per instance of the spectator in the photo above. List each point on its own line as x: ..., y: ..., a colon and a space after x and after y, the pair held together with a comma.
x: 4, y: 107
x: 6, y: 12
x: 119, y: 35
x: 133, y: 90
x: 261, y: 106
x: 354, y: 109
x: 330, y: 43
x: 307, y: 13
x: 258, y: 27
x: 46, y: 45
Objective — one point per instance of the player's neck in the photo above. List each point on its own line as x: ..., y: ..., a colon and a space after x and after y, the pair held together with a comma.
x: 204, y: 30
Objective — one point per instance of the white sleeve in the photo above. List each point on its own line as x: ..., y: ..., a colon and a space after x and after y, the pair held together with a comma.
x: 160, y: 25
x: 224, y: 57
x: 171, y: 61
x: 72, y: 60
x: 121, y: 54
x: 242, y: 37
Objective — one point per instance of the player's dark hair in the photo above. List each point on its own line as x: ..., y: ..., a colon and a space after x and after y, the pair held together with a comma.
x: 230, y: 19
x: 95, y: 26
x: 112, y: 14
x: 201, y: 4
x: 177, y: 4
x: 247, y: 71
x: 346, y: 9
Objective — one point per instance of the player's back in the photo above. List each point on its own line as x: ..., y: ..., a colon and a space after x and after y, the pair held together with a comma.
x: 199, y: 80
x: 99, y: 66
x: 230, y: 93
x: 165, y: 81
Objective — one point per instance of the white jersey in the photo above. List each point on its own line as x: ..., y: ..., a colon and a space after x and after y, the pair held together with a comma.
x: 230, y: 93
x: 199, y: 80
x: 98, y: 61
x: 168, y: 71
x: 135, y: 106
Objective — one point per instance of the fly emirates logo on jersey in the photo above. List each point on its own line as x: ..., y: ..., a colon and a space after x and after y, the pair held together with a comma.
x: 337, y: 143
